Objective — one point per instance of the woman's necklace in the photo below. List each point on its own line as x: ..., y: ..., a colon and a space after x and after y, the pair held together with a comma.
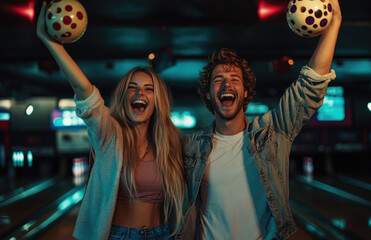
x: 145, y: 154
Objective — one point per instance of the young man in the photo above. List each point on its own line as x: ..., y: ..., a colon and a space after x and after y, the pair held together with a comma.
x: 237, y: 171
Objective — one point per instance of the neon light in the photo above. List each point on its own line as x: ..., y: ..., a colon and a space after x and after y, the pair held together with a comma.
x: 66, y: 103
x: 18, y: 159
x: 29, y: 110
x: 256, y: 108
x: 71, y: 200
x: 29, y: 158
x: 333, y: 108
x: 65, y: 204
x: 183, y: 120
x: 4, y: 116
x: 267, y: 10
x: 67, y: 122
x: 369, y: 106
x: 77, y: 196
x: 340, y: 223
x: 27, y: 226
x: 65, y: 119
x: 24, y: 11
x: 151, y: 56
x: 6, y: 103
x: 313, y: 229
x: 369, y: 222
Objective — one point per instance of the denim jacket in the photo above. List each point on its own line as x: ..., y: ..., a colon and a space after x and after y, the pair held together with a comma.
x: 268, y: 139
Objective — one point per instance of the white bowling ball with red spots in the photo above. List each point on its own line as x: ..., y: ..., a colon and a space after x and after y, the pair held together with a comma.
x: 309, y: 18
x: 66, y: 20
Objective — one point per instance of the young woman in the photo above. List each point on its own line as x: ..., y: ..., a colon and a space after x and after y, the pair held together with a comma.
x: 136, y: 185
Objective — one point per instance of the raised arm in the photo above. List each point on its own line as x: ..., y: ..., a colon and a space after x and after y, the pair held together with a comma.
x: 322, y: 57
x: 77, y: 79
x: 305, y: 96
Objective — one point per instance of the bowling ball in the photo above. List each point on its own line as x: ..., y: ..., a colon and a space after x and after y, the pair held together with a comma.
x: 66, y: 20
x: 309, y: 18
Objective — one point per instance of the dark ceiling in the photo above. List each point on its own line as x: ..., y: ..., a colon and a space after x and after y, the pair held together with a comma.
x: 121, y: 34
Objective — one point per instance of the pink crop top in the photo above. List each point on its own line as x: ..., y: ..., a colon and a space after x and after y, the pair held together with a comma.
x: 148, y: 183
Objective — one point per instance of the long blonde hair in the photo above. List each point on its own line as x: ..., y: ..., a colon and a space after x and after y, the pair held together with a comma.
x: 163, y: 135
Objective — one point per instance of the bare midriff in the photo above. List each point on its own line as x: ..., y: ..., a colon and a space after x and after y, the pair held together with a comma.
x: 138, y: 214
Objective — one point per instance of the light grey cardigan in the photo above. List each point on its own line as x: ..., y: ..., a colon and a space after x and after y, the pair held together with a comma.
x: 98, y: 204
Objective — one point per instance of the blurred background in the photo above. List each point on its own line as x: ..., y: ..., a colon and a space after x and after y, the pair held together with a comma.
x: 44, y: 149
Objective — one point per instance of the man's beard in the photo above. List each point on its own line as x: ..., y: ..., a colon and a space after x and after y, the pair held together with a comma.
x: 229, y: 116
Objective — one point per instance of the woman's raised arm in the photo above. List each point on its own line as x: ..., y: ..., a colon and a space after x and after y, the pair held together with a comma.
x: 77, y: 79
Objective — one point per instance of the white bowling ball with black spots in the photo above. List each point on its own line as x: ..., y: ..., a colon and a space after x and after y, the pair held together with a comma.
x: 309, y: 18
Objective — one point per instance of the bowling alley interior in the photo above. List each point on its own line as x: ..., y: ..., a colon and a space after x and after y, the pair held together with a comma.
x: 45, y: 151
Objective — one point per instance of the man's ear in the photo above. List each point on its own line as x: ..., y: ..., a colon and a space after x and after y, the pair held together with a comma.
x: 245, y: 95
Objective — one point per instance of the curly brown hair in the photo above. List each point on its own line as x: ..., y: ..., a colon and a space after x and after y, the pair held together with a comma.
x: 230, y: 58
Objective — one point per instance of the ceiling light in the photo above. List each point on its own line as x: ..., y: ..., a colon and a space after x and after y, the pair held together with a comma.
x: 29, y: 110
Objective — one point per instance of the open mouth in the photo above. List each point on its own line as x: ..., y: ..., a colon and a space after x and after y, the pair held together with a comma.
x: 139, y: 105
x: 227, y: 99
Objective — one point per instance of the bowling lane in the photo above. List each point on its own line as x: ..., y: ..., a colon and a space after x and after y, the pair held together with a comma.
x: 355, y: 185
x: 63, y: 229
x: 319, y: 214
x: 10, y: 185
x: 349, y: 216
x: 332, y: 205
x: 32, y: 206
x: 25, y: 191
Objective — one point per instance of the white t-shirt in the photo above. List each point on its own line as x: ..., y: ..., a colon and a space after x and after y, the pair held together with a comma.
x: 233, y: 201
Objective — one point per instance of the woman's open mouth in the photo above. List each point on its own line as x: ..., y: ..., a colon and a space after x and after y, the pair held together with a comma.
x: 139, y: 105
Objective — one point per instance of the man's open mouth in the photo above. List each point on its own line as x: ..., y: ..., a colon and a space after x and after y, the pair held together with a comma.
x: 227, y: 99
